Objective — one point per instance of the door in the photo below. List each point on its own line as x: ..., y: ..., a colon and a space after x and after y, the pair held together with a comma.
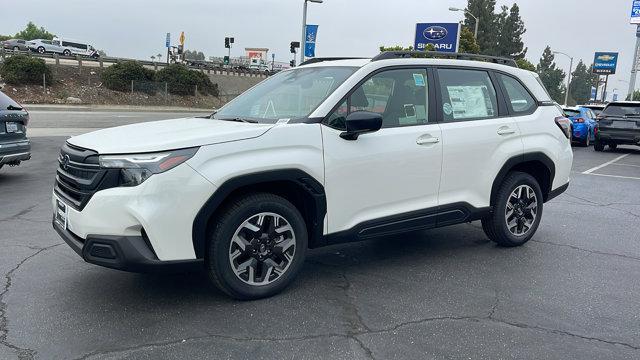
x: 477, y: 133
x: 394, y: 172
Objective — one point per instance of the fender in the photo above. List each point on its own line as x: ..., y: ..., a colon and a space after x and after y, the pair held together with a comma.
x: 521, y: 159
x: 312, y: 188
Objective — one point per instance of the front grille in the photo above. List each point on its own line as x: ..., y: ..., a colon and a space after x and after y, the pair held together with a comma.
x: 79, y: 176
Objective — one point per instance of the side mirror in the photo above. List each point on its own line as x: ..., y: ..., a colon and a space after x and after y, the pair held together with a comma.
x: 361, y: 122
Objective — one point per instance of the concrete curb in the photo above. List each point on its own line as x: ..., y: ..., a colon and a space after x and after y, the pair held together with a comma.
x: 128, y: 108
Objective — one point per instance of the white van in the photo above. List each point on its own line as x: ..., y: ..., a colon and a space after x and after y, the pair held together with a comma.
x: 75, y: 47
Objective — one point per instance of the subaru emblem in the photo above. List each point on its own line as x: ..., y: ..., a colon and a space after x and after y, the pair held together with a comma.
x: 435, y: 33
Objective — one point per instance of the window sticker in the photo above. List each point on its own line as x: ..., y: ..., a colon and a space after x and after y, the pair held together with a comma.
x: 283, y: 121
x: 419, y: 80
x: 470, y: 102
x: 447, y: 108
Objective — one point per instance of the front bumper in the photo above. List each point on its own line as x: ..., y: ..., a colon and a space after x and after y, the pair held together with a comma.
x: 14, y: 152
x: 127, y: 253
x: 159, y: 211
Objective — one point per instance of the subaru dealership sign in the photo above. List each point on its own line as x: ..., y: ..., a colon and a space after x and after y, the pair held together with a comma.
x: 605, y: 63
x: 443, y: 36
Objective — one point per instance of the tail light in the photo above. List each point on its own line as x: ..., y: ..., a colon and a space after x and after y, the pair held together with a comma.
x: 565, y: 125
x: 580, y: 120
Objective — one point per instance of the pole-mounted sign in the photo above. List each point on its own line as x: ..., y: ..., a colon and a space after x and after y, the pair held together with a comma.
x: 444, y: 37
x: 635, y: 12
x: 167, y: 42
x: 605, y: 63
x: 182, y: 38
x: 310, y: 41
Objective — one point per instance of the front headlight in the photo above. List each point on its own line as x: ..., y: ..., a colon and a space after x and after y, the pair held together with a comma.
x: 136, y: 168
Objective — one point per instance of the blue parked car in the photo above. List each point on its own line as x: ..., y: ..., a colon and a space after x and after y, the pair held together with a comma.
x: 583, y: 122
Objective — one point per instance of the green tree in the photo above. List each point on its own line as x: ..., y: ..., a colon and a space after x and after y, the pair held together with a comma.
x: 33, y: 32
x: 635, y: 97
x: 525, y: 64
x: 395, y: 48
x: 4, y: 37
x: 484, y: 10
x: 581, y: 82
x: 21, y: 69
x: 511, y: 28
x: 468, y: 42
x: 551, y: 76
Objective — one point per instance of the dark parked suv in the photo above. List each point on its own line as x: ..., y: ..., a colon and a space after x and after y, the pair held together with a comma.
x: 14, y: 145
x: 619, y: 123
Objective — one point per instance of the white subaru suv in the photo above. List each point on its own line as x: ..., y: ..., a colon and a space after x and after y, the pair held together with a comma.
x: 335, y: 150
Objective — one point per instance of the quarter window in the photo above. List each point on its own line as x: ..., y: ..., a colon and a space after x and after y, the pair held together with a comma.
x: 400, y: 96
x: 467, y: 95
x: 518, y: 98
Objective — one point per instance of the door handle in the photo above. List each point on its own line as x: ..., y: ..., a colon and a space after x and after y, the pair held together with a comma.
x: 423, y: 140
x: 505, y: 130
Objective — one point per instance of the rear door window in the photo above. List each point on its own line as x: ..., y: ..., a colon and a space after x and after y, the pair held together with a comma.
x: 518, y: 98
x: 467, y: 95
x: 7, y: 102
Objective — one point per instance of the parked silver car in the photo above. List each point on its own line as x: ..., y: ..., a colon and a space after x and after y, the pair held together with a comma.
x: 15, y: 44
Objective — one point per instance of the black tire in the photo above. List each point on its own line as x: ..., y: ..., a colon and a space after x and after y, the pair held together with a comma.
x: 233, y: 216
x: 15, y: 48
x: 66, y: 53
x: 495, y: 225
x: 598, y: 146
x: 613, y: 147
x: 587, y: 140
x: 41, y: 50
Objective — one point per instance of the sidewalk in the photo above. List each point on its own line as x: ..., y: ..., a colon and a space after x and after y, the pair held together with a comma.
x: 131, y: 108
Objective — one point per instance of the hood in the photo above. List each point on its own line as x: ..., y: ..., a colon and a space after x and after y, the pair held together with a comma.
x: 167, y: 135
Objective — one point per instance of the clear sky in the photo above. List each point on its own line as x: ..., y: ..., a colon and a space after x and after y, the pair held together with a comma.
x: 137, y: 28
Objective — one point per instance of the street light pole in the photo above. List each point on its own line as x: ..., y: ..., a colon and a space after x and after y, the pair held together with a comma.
x: 566, y: 93
x: 304, y: 27
x: 477, y: 21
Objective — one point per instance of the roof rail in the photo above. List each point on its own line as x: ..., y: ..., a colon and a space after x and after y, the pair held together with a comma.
x: 317, y: 60
x: 446, y: 55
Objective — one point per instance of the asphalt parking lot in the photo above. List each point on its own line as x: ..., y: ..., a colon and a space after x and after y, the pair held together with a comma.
x: 570, y: 293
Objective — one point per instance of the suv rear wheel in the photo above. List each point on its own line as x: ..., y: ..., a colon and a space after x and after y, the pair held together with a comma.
x: 257, y: 247
x: 517, y: 210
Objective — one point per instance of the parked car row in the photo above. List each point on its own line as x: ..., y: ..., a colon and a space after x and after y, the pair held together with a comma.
x: 613, y: 124
x: 61, y: 46
x: 15, y: 147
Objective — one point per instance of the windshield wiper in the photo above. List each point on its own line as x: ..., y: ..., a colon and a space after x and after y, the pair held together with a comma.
x: 239, y: 119
x: 11, y: 107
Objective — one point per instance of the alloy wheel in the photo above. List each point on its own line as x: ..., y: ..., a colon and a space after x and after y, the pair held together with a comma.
x: 521, y: 210
x: 262, y: 248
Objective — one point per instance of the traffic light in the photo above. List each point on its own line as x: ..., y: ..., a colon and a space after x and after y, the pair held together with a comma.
x: 228, y: 41
x: 294, y: 45
x: 226, y: 60
x: 180, y: 49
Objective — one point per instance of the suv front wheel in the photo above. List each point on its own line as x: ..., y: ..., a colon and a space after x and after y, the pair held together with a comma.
x: 257, y: 247
x: 516, y: 212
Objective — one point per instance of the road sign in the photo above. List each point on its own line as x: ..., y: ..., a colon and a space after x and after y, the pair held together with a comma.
x: 182, y: 38
x: 443, y: 36
x: 605, y: 63
x: 310, y: 41
x: 635, y: 11
x: 167, y: 42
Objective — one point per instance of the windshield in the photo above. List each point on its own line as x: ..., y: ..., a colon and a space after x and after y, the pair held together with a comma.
x: 622, y: 110
x: 290, y: 94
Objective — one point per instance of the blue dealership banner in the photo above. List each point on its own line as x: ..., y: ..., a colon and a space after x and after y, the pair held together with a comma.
x: 605, y: 63
x: 635, y: 11
x: 443, y: 36
x: 310, y: 40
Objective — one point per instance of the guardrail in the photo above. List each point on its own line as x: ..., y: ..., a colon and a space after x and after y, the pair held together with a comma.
x: 210, y: 68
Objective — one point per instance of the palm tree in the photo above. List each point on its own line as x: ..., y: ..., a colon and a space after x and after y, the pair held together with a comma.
x: 153, y: 58
x: 159, y: 56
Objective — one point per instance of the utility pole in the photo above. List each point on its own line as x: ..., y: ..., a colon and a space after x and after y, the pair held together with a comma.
x: 632, y: 79
x: 304, y: 27
x: 566, y: 93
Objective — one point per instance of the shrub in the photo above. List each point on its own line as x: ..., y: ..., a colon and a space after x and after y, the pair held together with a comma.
x: 182, y: 81
x: 21, y: 70
x: 119, y: 76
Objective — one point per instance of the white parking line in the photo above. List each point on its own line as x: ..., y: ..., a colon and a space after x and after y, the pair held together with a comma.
x: 620, y: 164
x: 616, y: 176
x: 605, y: 164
